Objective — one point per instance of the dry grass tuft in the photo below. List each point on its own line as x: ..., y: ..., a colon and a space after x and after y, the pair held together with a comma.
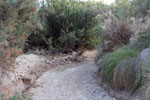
x: 123, y: 75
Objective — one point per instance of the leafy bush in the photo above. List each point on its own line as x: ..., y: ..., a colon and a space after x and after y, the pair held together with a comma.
x: 70, y: 25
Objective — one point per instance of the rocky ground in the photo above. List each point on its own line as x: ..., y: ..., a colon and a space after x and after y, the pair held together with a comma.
x: 29, y: 67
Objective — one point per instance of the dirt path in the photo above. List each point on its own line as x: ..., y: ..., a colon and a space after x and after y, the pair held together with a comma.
x: 70, y: 83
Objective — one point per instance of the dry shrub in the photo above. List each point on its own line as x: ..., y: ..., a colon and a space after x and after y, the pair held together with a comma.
x: 8, y: 56
x: 142, y: 41
x: 17, y: 21
x: 117, y: 34
x: 139, y: 27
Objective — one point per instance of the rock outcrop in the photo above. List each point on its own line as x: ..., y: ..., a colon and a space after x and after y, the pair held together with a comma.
x: 142, y: 68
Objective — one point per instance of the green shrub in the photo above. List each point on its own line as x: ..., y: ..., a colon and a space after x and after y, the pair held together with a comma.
x: 69, y: 25
x: 111, y: 60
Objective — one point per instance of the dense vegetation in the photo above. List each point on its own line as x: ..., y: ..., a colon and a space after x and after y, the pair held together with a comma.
x: 52, y: 26
x: 69, y: 25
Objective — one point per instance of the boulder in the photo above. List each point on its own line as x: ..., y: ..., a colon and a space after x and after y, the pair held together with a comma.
x: 142, y: 69
x: 142, y: 64
x: 147, y: 93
